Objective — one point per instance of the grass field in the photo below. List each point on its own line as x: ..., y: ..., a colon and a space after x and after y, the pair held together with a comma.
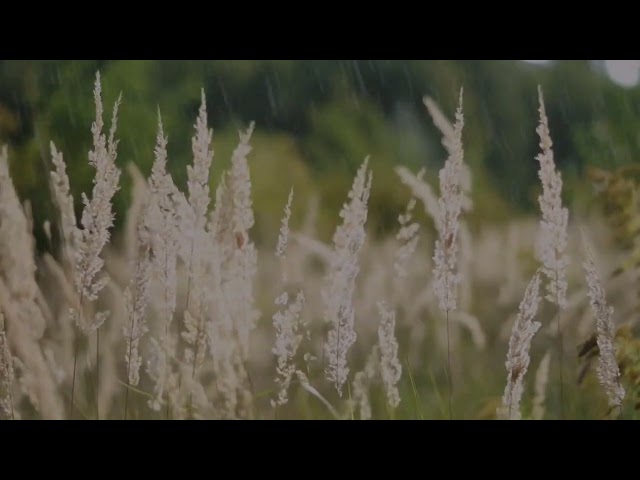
x: 184, y: 316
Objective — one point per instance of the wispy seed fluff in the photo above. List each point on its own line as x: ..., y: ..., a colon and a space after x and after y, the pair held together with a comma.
x: 362, y: 383
x: 408, y: 238
x: 97, y: 215
x: 446, y: 277
x: 518, y: 355
x: 136, y: 299
x: 552, y: 237
x: 290, y: 330
x: 284, y: 228
x: 337, y: 295
x: 161, y: 221
x: 607, y: 371
x: 242, y: 266
x: 64, y: 200
x: 195, y: 239
x: 198, y: 173
x: 390, y: 368
x: 449, y: 142
x: 422, y: 190
x: 289, y: 336
x: 162, y: 225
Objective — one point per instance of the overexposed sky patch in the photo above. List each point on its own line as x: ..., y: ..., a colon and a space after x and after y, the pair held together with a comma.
x: 623, y: 72
x: 537, y: 62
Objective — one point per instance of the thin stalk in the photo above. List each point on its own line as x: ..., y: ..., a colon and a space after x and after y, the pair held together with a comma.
x: 97, y: 372
x: 193, y: 370
x: 251, y: 389
x: 73, y: 381
x: 166, y: 336
x: 560, y: 346
x: 337, y: 350
x: 126, y: 396
x: 126, y: 399
x: 75, y: 345
x: 449, y: 367
x: 415, y: 390
x: 324, y: 401
x: 186, y: 308
x: 169, y: 318
x: 13, y: 416
x: 561, y: 366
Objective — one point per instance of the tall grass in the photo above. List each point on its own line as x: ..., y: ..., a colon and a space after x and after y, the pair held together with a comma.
x: 190, y: 322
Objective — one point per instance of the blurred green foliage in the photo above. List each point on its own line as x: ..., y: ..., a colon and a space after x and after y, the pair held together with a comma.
x: 317, y: 120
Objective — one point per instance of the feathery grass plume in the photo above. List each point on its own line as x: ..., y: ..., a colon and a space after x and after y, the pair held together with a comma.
x: 450, y: 206
x: 232, y: 267
x: 362, y: 383
x: 17, y: 261
x: 445, y: 268
x: 198, y: 173
x: 390, y: 367
x: 407, y: 236
x: 162, y: 223
x: 223, y: 343
x: 518, y: 355
x: 441, y: 121
x: 96, y: 220
x: 195, y: 314
x: 229, y: 369
x: 241, y: 268
x: 286, y: 321
x: 337, y: 294
x: 422, y: 190
x: 6, y: 375
x: 540, y: 388
x: 71, y: 237
x: 157, y: 367
x: 137, y: 211
x: 289, y: 336
x: 608, y: 371
x: 382, y: 363
x: 233, y: 271
x: 552, y: 241
x: 97, y: 215
x: 19, y: 297
x: 136, y: 298
x: 449, y: 142
x: 284, y: 228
